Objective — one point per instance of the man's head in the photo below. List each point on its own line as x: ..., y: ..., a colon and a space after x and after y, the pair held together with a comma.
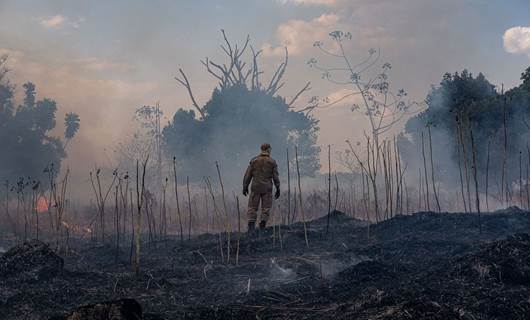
x: 266, y: 148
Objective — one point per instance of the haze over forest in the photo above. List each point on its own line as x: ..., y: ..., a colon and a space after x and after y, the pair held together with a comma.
x: 104, y: 62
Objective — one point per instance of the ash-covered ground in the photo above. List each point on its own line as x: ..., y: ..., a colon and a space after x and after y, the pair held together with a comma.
x: 424, y: 266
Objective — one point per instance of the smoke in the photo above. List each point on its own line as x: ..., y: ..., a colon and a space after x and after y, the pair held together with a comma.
x: 279, y: 273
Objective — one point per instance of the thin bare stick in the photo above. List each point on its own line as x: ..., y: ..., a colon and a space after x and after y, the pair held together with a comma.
x: 289, y: 218
x: 238, y: 229
x: 305, y: 88
x: 184, y: 81
x: 432, y: 171
x: 227, y: 220
x: 425, y: 169
x: 300, y: 197
x: 329, y: 190
x: 177, y: 199
x: 139, y: 201
x: 477, y: 199
x: 189, y: 206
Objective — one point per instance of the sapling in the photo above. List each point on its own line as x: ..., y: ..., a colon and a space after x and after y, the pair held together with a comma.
x: 101, y: 198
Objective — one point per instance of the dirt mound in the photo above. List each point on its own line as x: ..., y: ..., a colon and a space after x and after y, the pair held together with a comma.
x: 124, y: 309
x: 506, y: 261
x: 419, y: 309
x: 510, y: 210
x: 367, y: 271
x: 30, y: 261
x: 335, y: 217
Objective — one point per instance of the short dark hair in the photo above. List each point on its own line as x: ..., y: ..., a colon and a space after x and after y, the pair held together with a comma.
x: 265, y: 147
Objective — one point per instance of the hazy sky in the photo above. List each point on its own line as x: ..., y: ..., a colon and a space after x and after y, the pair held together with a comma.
x: 103, y: 59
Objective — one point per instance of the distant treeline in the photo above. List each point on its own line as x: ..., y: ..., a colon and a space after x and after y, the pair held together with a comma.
x: 499, y: 120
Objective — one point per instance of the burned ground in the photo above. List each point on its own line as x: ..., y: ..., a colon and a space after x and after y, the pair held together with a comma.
x: 423, y: 266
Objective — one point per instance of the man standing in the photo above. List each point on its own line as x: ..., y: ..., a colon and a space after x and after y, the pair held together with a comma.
x: 262, y: 171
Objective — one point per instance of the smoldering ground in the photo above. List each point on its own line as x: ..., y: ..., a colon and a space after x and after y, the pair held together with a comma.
x: 344, y: 275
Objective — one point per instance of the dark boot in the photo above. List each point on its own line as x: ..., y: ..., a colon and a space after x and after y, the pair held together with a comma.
x: 262, y: 225
x: 251, y: 227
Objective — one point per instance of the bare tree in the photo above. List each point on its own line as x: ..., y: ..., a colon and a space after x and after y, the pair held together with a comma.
x: 238, y: 71
x: 383, y: 107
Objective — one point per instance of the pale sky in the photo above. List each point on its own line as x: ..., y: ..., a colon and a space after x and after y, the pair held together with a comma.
x: 103, y: 59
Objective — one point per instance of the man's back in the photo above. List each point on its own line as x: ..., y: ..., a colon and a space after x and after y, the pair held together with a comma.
x: 262, y: 171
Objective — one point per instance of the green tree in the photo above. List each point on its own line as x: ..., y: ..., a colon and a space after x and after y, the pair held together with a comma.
x: 71, y: 124
x: 28, y: 146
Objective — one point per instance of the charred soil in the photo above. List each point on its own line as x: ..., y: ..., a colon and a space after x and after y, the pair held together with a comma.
x: 423, y: 266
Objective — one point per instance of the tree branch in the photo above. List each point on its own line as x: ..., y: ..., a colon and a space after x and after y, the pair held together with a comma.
x: 184, y: 81
x: 278, y: 74
x: 305, y: 88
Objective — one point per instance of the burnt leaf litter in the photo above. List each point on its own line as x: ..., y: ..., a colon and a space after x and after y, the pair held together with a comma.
x: 422, y: 266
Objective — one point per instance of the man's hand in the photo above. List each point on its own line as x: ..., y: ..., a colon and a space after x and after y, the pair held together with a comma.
x: 277, y: 194
x: 245, y: 192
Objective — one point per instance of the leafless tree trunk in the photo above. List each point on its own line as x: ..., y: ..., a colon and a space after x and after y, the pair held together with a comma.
x: 189, y: 207
x: 140, y: 190
x: 487, y: 176
x: 117, y: 223
x: 216, y: 212
x: 432, y: 171
x: 465, y: 159
x: 329, y: 189
x: 289, y: 218
x: 177, y: 199
x: 425, y: 170
x: 520, y: 179
x: 527, y: 179
x: 238, y: 229
x: 300, y: 198
x: 505, y: 149
x: 227, y: 218
x: 477, y: 199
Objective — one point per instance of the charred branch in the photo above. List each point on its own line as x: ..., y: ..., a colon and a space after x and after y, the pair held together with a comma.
x: 184, y: 81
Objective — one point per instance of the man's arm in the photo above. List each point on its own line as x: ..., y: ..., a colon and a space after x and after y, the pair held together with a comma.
x: 247, y: 178
x: 276, y: 179
x: 275, y: 176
